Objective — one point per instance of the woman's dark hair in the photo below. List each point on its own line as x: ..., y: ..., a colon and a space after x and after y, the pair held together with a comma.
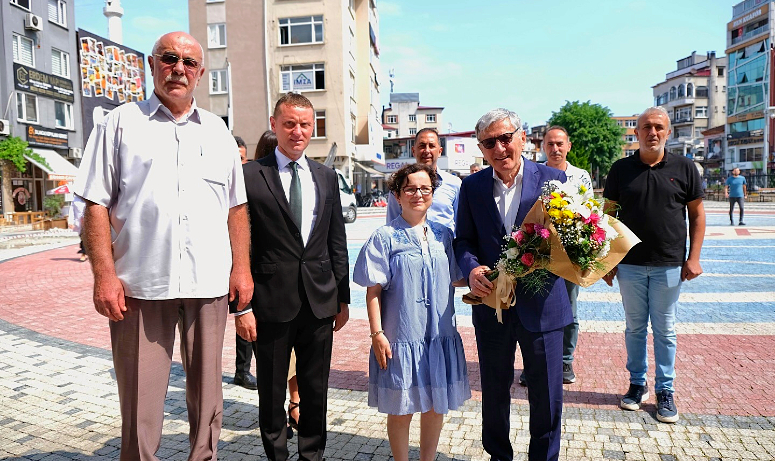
x: 398, y: 179
x: 266, y: 144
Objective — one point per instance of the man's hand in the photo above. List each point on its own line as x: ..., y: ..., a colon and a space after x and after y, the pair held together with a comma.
x: 246, y: 326
x: 342, y: 317
x: 241, y: 282
x: 691, y: 270
x: 609, y: 277
x: 109, y: 297
x: 478, y: 282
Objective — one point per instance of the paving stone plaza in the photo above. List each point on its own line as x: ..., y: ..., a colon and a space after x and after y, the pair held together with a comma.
x: 58, y: 397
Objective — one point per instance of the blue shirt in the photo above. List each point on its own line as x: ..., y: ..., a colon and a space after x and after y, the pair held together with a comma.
x: 736, y: 186
x: 444, y: 207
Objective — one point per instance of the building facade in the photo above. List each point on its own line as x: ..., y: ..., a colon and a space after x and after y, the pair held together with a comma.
x: 749, y: 126
x: 326, y: 50
x: 694, y: 96
x: 629, y: 123
x: 39, y: 98
x: 407, y: 116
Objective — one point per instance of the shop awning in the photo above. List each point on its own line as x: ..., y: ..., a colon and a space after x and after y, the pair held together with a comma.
x: 371, y: 171
x: 58, y: 168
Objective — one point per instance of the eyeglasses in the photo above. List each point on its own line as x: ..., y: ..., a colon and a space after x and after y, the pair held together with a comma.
x: 504, y: 139
x: 411, y: 191
x: 172, y: 59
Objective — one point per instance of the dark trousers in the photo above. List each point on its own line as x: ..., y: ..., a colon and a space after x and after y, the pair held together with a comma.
x: 571, y: 331
x: 244, y: 355
x: 312, y: 338
x: 739, y: 201
x: 542, y: 356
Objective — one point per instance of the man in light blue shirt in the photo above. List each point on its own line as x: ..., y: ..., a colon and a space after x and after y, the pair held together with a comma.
x: 737, y: 192
x: 427, y: 149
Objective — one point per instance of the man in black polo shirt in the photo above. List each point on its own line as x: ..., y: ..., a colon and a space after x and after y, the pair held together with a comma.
x: 654, y: 190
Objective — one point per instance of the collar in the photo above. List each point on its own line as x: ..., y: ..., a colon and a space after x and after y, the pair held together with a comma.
x: 283, y: 161
x: 661, y: 164
x: 517, y: 178
x: 155, y: 105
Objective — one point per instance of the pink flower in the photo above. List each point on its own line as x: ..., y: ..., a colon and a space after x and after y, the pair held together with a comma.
x: 593, y: 219
x: 527, y: 259
x: 599, y: 235
x: 530, y: 228
x: 544, y: 233
x: 518, y: 237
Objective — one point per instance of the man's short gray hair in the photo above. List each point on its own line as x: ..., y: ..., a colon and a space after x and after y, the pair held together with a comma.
x: 496, y: 115
x: 157, y: 46
x: 658, y: 110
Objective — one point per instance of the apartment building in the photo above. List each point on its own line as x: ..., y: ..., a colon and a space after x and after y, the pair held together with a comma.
x: 407, y: 116
x: 38, y: 97
x: 630, y: 140
x: 694, y: 96
x: 327, y: 50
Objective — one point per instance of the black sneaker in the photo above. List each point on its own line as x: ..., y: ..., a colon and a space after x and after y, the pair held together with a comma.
x: 666, y: 410
x: 568, y: 376
x: 741, y: 223
x: 634, y: 397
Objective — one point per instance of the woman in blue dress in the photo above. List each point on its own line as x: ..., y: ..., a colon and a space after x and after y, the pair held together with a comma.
x: 417, y: 362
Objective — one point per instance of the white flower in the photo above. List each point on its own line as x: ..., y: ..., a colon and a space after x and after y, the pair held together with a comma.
x: 512, y: 253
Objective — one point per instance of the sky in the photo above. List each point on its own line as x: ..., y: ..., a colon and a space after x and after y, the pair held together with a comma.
x: 529, y: 56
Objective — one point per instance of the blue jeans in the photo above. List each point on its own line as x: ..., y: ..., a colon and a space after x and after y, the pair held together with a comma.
x: 650, y: 291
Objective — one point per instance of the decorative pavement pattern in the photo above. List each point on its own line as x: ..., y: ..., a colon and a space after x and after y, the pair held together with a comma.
x: 58, y: 396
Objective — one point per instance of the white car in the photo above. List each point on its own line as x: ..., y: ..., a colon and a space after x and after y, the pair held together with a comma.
x: 349, y: 207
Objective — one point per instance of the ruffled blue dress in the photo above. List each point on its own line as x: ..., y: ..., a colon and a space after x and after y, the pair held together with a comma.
x: 428, y: 368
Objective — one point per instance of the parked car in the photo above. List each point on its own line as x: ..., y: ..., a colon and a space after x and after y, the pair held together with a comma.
x: 346, y: 195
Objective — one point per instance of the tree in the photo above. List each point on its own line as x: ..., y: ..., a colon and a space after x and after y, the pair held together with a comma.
x: 597, y: 139
x: 12, y: 152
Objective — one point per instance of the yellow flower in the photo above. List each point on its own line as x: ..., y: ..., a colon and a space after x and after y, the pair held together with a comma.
x: 556, y: 195
x: 554, y: 213
x: 567, y: 214
x: 582, y: 189
x: 556, y: 202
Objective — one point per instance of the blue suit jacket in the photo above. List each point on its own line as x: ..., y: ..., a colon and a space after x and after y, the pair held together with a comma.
x: 479, y: 241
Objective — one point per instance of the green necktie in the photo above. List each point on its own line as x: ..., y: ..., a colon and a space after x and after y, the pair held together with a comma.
x: 295, y: 194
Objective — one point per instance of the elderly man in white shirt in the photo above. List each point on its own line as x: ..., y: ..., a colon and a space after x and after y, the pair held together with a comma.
x: 166, y: 229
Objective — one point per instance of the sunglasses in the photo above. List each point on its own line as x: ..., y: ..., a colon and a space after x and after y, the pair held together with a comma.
x: 171, y: 59
x: 504, y: 139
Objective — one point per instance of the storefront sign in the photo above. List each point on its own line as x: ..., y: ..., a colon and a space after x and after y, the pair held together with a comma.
x: 42, y: 84
x: 745, y: 117
x: 48, y: 137
x: 755, y: 14
x: 744, y: 141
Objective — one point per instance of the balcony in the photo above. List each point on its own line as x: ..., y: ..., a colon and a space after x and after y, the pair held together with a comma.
x: 682, y: 120
x: 750, y: 34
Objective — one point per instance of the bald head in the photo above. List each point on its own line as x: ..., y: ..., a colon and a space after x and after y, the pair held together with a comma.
x: 177, y: 67
x: 173, y: 37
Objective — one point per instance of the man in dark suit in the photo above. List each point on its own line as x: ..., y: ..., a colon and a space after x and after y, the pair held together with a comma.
x: 491, y: 201
x: 300, y: 270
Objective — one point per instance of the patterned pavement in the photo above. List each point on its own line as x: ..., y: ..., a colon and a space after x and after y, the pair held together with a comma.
x: 58, y: 395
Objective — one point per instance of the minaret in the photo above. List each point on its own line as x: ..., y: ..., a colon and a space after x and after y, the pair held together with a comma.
x: 113, y: 12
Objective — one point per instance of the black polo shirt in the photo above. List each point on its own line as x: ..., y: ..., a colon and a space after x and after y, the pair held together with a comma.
x: 652, y: 203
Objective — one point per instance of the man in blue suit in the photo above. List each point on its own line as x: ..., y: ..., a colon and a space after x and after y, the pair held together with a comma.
x: 490, y: 203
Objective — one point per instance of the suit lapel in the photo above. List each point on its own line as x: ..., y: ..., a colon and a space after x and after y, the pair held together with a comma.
x: 271, y: 175
x: 530, y: 192
x: 317, y: 178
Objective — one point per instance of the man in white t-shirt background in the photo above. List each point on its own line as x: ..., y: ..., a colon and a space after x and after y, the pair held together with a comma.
x: 556, y: 146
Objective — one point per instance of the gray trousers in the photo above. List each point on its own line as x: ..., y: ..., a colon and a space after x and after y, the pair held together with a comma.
x: 740, y: 201
x: 571, y: 332
x: 142, y: 346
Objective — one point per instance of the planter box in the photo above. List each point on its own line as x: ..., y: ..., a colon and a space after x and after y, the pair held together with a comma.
x: 56, y: 223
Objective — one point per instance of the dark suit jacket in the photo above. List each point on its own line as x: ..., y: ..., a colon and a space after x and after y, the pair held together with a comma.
x: 279, y: 261
x: 479, y: 241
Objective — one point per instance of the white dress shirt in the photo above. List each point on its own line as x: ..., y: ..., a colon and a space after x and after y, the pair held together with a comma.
x: 168, y: 185
x: 308, y: 192
x: 507, y: 198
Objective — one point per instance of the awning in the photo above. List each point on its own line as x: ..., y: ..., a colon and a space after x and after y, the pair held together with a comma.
x: 58, y: 168
x: 371, y: 171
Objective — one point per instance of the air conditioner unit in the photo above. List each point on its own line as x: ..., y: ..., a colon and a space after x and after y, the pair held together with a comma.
x: 75, y: 152
x: 33, y: 22
x: 5, y: 127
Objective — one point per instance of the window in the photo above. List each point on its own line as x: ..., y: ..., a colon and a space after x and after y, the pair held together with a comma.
x: 303, y: 78
x: 413, y: 118
x: 430, y: 118
x: 702, y: 92
x: 57, y: 12
x: 391, y: 119
x: 64, y: 115
x: 320, y: 124
x: 701, y: 111
x: 689, y: 90
x: 629, y: 152
x: 630, y: 138
x: 21, y: 3
x: 752, y: 154
x: 219, y: 81
x: 619, y: 122
x: 672, y: 93
x: 412, y: 131
x: 681, y: 90
x: 720, y: 71
x: 26, y: 107
x: 307, y: 29
x: 684, y: 114
x: 353, y: 128
x: 23, y: 51
x: 60, y: 63
x: 630, y: 123
x: 216, y: 35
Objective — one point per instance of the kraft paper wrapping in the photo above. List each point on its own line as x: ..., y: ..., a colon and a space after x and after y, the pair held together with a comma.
x: 502, y: 295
